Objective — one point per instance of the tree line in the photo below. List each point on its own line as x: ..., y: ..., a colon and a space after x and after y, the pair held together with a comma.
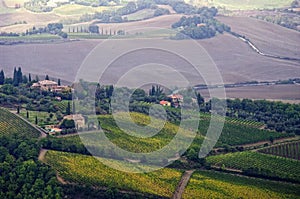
x: 200, y: 26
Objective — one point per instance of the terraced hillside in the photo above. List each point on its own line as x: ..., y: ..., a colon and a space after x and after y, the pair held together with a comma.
x: 10, y: 124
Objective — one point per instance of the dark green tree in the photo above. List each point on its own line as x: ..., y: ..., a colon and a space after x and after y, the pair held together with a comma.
x: 68, y: 109
x: 2, y: 77
x: 15, y: 78
x: 200, y: 99
x: 58, y: 82
x: 94, y: 29
x: 47, y: 77
x: 29, y: 78
x: 19, y: 76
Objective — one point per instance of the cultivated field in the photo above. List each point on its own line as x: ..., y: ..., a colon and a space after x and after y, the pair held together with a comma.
x: 287, y: 93
x: 31, y: 19
x: 10, y: 124
x: 164, y: 21
x: 288, y: 150
x: 75, y: 9
x: 269, y: 38
x: 258, y: 163
x: 140, y: 15
x: 238, y: 63
x: 244, y: 4
x: 87, y: 169
x: 208, y: 184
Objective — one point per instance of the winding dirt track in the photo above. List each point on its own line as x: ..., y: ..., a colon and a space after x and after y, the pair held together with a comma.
x: 182, y: 184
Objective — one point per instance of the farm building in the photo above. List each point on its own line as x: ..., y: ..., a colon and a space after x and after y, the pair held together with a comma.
x: 48, y: 85
x: 176, y: 99
x: 165, y: 103
x: 78, y: 119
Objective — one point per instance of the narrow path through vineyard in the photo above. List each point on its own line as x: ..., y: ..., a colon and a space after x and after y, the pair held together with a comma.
x: 182, y: 184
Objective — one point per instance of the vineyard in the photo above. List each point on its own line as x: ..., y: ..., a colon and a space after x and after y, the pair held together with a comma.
x: 83, y: 169
x: 237, y: 134
x: 259, y: 164
x: 209, y: 184
x: 287, y: 150
x: 10, y: 124
x: 232, y: 135
x: 237, y: 121
x: 62, y: 105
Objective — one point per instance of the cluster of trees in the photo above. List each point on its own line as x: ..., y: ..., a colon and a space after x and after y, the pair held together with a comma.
x: 139, y: 101
x: 10, y: 34
x: 51, y: 28
x: 295, y: 4
x: 22, y: 175
x: 68, y: 126
x: 286, y: 20
x: 96, y: 3
x: 38, y: 6
x: 200, y: 26
x: 18, y: 78
x: 17, y: 91
x: 118, y: 15
x: 277, y: 116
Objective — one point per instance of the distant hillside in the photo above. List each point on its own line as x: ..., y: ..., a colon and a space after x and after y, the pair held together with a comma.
x: 242, y: 4
x: 10, y: 123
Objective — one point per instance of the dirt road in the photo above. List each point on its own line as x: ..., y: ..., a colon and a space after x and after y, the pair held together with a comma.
x: 182, y: 184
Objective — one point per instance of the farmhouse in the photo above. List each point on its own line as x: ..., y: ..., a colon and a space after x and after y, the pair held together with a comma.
x: 47, y: 85
x: 176, y: 99
x: 165, y: 103
x: 78, y: 119
x: 53, y: 129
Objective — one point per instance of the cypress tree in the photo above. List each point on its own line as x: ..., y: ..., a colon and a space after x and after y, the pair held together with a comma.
x: 19, y: 75
x: 15, y: 78
x: 29, y: 77
x: 47, y: 77
x: 68, y: 109
x: 2, y: 77
x: 58, y: 82
x: 25, y: 80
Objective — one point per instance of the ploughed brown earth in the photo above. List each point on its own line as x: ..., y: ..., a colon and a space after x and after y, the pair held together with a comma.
x: 236, y: 61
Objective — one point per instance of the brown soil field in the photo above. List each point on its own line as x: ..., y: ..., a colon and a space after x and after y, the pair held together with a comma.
x: 32, y: 19
x: 268, y: 37
x: 172, y: 11
x: 164, y: 21
x: 239, y: 63
x: 285, y: 93
x: 235, y: 60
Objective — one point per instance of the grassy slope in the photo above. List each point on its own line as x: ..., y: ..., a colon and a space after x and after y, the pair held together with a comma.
x: 208, y: 184
x: 10, y: 123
